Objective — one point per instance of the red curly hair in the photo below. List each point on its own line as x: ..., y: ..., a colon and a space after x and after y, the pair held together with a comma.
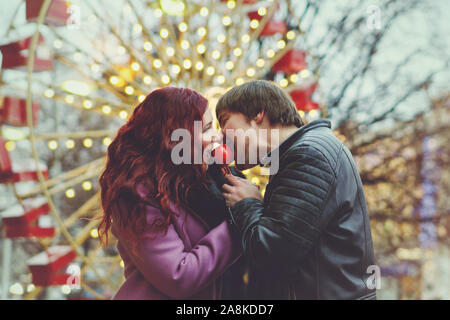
x: 141, y: 154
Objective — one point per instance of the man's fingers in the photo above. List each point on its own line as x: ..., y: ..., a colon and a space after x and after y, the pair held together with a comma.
x: 232, y: 179
x: 227, y: 188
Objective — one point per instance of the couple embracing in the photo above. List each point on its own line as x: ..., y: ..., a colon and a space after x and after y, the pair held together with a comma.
x: 181, y: 226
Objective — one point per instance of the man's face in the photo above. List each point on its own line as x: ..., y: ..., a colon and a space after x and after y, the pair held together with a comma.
x: 237, y: 129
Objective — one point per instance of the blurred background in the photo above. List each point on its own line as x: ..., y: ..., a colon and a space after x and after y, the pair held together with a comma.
x: 72, y: 72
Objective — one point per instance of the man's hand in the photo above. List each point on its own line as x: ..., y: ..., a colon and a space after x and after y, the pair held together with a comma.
x: 238, y: 189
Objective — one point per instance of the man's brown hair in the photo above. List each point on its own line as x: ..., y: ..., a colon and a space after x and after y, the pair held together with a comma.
x: 252, y: 97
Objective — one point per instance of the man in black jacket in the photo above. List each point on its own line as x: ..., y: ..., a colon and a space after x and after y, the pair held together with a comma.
x: 309, y: 238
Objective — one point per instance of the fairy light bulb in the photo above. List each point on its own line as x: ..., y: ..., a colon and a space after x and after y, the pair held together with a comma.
x: 229, y: 65
x: 187, y: 64
x: 49, y: 93
x: 87, y: 104
x: 231, y: 4
x: 254, y: 24
x: 123, y: 114
x: 148, y: 46
x: 270, y: 53
x: 10, y: 145
x: 293, y: 78
x: 70, y: 144
x: 255, y: 180
x: 201, y: 48
x: 86, y: 185
x: 221, y: 38
x: 165, y: 79
x: 135, y: 66
x: 106, y: 109
x: 290, y: 35
x: 199, y: 65
x: 114, y: 80
x: 87, y: 143
x: 281, y: 44
x: 215, y: 54
x: 129, y: 90
x: 183, y: 27
x: 95, y: 68
x: 239, y: 81
x: 210, y: 70
x: 57, y: 44
x: 262, y: 11
x: 141, y: 98
x: 305, y: 73
x: 137, y: 28
x: 185, y: 44
x: 158, y: 13
x: 94, y: 233
x: 245, y: 38
x: 201, y: 31
x: 284, y: 82
x: 204, y: 11
x: 69, y: 99
x: 251, y: 72
x: 52, y: 144
x: 70, y: 193
x: 164, y: 33
x: 157, y: 63
x: 107, y: 141
x: 170, y: 51
x: 147, y: 80
x: 226, y: 21
x: 220, y: 79
x: 260, y: 63
x: 237, y: 52
x: 175, y: 69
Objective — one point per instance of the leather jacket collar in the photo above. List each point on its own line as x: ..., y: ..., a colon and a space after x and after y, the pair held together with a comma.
x: 295, y: 136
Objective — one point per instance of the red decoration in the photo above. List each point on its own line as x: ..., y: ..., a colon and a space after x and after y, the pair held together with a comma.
x: 18, y: 171
x: 6, y: 173
x: 302, y: 97
x: 46, y: 267
x: 223, y: 156
x: 57, y: 14
x: 29, y: 211
x: 15, y: 56
x: 20, y: 220
x: 272, y: 27
x: 293, y: 61
x: 13, y: 111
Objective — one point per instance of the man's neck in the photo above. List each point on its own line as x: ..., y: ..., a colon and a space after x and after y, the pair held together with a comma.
x: 283, y: 134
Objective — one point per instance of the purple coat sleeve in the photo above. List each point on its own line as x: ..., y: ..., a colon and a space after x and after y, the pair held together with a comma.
x: 176, y: 272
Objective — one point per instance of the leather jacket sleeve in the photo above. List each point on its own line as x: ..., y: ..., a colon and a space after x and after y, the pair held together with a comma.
x: 278, y: 233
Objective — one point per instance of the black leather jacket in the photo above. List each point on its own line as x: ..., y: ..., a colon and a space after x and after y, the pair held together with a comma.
x: 311, y: 238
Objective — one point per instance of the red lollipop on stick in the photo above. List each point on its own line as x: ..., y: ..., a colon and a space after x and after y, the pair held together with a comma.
x: 222, y: 155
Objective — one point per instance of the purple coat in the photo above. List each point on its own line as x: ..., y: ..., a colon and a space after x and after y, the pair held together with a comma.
x: 185, y: 263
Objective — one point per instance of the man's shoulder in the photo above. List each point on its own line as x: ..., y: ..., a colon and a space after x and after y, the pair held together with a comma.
x: 319, y: 143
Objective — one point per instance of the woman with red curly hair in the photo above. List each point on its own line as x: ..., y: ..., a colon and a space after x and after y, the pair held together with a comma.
x: 169, y: 219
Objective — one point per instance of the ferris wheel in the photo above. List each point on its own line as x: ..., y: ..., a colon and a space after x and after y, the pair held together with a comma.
x: 82, y: 66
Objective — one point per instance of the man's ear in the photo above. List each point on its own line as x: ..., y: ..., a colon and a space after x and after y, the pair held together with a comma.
x: 259, y: 117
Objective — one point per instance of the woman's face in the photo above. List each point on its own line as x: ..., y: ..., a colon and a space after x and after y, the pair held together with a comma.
x: 209, y: 133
